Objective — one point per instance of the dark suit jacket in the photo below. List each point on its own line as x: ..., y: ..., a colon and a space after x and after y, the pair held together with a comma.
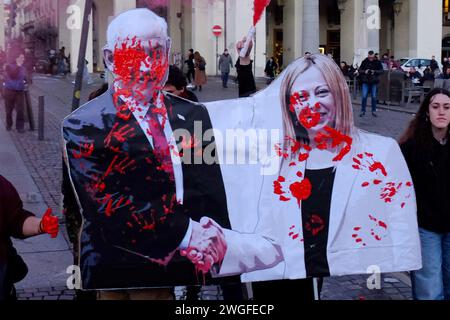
x: 125, y: 199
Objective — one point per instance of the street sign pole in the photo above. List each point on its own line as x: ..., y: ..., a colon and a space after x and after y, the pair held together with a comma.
x: 81, y: 56
x: 217, y: 31
x: 217, y: 56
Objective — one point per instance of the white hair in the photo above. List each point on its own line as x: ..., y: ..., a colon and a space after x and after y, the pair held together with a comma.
x: 141, y: 23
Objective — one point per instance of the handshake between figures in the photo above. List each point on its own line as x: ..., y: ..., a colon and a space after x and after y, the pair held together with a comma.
x: 207, y: 246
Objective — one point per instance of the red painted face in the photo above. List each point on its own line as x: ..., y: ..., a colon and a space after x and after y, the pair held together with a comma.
x: 141, y: 67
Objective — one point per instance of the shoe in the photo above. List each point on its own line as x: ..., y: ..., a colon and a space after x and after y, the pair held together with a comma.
x: 8, y: 128
x: 374, y: 115
x: 20, y: 130
x: 362, y: 114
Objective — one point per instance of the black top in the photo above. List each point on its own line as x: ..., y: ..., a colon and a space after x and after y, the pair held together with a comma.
x: 376, y: 69
x: 316, y: 221
x: 246, y: 79
x: 431, y: 176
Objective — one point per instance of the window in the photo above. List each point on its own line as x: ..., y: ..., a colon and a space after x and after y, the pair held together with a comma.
x: 446, y: 12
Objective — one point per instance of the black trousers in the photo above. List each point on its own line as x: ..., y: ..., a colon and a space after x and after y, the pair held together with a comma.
x: 282, y: 290
x: 14, y: 100
x: 190, y: 73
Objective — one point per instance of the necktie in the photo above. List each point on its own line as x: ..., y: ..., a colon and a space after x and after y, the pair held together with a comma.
x: 161, y: 147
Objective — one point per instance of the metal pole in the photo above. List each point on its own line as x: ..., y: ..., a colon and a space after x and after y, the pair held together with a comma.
x: 254, y: 56
x: 225, y: 24
x: 81, y: 56
x: 316, y: 289
x: 217, y: 56
x: 41, y: 111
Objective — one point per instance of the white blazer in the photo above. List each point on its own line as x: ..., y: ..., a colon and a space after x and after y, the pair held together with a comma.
x: 365, y: 231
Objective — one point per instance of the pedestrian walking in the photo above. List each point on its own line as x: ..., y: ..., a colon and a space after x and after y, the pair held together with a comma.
x: 190, y: 62
x: 15, y: 77
x: 18, y: 223
x: 426, y: 148
x: 225, y: 65
x: 200, y: 70
x: 270, y: 70
x: 62, y: 62
x: 369, y: 72
x: 244, y: 67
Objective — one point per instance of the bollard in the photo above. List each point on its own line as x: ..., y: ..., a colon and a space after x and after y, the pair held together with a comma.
x: 29, y: 109
x: 41, y: 118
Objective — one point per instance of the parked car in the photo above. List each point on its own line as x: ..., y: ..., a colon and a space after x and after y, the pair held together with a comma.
x: 419, y: 63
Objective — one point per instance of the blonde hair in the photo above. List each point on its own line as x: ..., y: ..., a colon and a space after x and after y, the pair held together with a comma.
x: 335, y: 80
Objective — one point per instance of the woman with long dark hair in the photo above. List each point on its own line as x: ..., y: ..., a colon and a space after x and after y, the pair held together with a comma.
x: 426, y: 148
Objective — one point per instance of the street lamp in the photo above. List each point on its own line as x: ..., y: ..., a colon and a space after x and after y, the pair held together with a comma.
x: 341, y: 5
x: 398, y: 5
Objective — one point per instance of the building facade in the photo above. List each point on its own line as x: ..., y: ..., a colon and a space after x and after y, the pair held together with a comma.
x: 347, y: 29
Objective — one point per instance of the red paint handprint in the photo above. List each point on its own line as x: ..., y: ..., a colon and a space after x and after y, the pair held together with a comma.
x: 85, y: 151
x: 336, y: 138
x: 118, y: 136
x: 378, y: 231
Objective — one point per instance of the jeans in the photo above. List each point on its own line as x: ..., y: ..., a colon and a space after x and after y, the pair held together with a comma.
x: 373, y: 88
x: 432, y: 282
x: 225, y: 79
x: 14, y: 100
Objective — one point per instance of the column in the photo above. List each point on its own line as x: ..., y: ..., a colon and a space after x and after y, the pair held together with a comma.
x: 350, y: 21
x: 123, y: 5
x: 70, y: 24
x: 2, y: 26
x: 293, y: 31
x: 425, y: 27
x: 373, y: 25
x: 311, y: 26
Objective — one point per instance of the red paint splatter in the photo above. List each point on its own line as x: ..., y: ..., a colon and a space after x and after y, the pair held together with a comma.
x: 315, y: 225
x: 336, y: 138
x: 301, y: 190
x: 308, y: 118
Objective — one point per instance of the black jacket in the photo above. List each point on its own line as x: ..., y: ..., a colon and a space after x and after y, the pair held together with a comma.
x: 127, y: 207
x: 376, y: 70
x: 431, y: 176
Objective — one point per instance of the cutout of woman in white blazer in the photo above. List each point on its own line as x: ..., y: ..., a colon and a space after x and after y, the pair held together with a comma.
x: 342, y: 201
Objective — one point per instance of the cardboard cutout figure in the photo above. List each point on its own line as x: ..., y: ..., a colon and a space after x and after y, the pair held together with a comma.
x: 163, y: 201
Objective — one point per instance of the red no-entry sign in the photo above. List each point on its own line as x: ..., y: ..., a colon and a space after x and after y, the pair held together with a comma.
x: 217, y: 30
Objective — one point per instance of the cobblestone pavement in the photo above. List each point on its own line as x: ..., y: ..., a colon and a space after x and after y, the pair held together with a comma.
x: 43, y: 158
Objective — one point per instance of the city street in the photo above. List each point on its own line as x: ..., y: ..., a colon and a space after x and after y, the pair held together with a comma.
x: 35, y: 168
